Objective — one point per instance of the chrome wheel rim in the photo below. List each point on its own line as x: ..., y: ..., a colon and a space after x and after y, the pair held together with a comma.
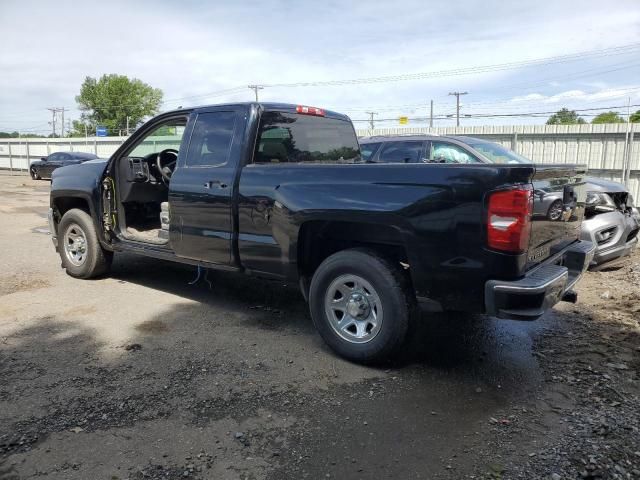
x: 75, y: 245
x: 354, y: 309
x: 556, y: 211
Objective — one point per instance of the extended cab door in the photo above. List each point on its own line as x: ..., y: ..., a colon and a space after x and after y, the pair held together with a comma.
x: 201, y: 188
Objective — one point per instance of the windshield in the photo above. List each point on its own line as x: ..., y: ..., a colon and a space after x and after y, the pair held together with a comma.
x: 497, y: 153
x: 367, y: 150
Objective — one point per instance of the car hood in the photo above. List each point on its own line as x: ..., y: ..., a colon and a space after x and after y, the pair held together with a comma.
x: 602, y: 185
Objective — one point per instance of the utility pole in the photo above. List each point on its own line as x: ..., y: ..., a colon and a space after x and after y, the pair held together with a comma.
x: 627, y: 147
x: 431, y: 115
x: 457, y: 94
x: 54, y: 119
x: 53, y: 111
x: 255, y: 89
x: 127, y: 125
x: 371, y: 114
x: 62, y: 110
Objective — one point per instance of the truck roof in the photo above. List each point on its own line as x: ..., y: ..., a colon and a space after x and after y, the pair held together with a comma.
x: 267, y: 106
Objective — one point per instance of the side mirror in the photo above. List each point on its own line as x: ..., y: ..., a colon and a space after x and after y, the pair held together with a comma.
x: 44, y: 159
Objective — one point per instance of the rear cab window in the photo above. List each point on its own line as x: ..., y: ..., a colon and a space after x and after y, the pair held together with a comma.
x: 297, y: 138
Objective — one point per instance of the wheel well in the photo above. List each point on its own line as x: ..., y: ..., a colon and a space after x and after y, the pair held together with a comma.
x: 319, y: 239
x: 64, y: 204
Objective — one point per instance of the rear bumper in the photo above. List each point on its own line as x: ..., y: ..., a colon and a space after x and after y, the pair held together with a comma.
x: 542, y: 287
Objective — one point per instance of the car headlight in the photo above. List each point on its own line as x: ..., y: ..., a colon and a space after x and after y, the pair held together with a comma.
x: 600, y: 201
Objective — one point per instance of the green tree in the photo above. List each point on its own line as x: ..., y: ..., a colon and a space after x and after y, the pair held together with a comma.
x: 608, y: 117
x: 16, y: 134
x: 111, y: 99
x: 565, y: 117
x: 635, y: 117
x: 9, y: 134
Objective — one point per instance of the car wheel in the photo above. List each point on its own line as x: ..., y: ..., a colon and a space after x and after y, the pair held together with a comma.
x: 81, y: 252
x: 34, y: 174
x: 555, y: 211
x: 361, y: 305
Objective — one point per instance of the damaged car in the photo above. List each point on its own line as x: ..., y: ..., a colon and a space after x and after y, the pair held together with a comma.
x: 611, y: 221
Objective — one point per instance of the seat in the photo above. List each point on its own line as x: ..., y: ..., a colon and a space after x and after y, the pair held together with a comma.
x: 273, y: 151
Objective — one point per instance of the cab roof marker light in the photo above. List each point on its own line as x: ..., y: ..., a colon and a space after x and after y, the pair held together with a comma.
x: 305, y: 110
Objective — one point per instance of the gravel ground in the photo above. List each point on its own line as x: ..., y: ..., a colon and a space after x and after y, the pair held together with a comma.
x: 142, y: 376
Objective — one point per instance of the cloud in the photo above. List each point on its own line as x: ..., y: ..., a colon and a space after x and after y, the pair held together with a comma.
x: 194, y: 47
x: 580, y: 96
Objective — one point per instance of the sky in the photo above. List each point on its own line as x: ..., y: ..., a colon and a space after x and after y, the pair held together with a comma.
x: 512, y: 58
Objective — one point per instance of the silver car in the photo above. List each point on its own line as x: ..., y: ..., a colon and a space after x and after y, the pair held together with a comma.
x: 611, y: 220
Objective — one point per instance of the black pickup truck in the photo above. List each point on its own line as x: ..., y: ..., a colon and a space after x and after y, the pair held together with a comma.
x: 281, y: 191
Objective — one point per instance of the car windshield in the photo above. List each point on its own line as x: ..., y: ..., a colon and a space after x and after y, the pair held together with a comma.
x: 497, y: 153
x: 367, y: 150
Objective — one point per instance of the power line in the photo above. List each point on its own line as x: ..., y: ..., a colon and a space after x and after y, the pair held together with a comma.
x: 619, y: 50
x: 518, y: 114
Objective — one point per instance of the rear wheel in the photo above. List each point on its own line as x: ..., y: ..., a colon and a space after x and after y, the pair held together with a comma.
x: 81, y: 253
x: 361, y: 305
x: 555, y: 211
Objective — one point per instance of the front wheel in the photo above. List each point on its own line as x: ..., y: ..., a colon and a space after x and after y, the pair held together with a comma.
x: 34, y: 174
x: 361, y: 305
x: 81, y: 253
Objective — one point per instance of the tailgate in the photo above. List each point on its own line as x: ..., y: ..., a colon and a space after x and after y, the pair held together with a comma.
x: 558, y: 209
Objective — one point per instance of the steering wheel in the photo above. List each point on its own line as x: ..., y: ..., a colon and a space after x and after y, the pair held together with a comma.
x: 166, y: 162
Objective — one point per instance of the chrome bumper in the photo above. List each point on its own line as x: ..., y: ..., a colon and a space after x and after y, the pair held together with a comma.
x: 542, y: 287
x: 52, y: 228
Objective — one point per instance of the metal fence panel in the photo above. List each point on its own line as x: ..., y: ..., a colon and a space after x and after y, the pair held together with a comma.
x: 601, y: 147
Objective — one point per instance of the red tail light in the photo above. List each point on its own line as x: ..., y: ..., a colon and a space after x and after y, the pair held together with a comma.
x: 509, y: 219
x: 310, y: 110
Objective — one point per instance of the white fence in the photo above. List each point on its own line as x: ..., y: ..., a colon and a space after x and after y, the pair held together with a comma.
x: 602, y: 147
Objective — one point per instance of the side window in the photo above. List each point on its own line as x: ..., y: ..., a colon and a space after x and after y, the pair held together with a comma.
x: 211, y: 139
x: 442, y: 152
x: 54, y: 157
x: 368, y: 150
x: 165, y: 135
x: 401, y: 152
x: 64, y: 156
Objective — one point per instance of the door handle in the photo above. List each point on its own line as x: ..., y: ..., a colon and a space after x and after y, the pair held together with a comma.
x: 215, y: 183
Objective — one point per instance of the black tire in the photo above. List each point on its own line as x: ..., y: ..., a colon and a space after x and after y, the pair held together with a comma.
x: 391, y: 287
x: 34, y: 174
x: 96, y: 261
x: 551, y: 213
